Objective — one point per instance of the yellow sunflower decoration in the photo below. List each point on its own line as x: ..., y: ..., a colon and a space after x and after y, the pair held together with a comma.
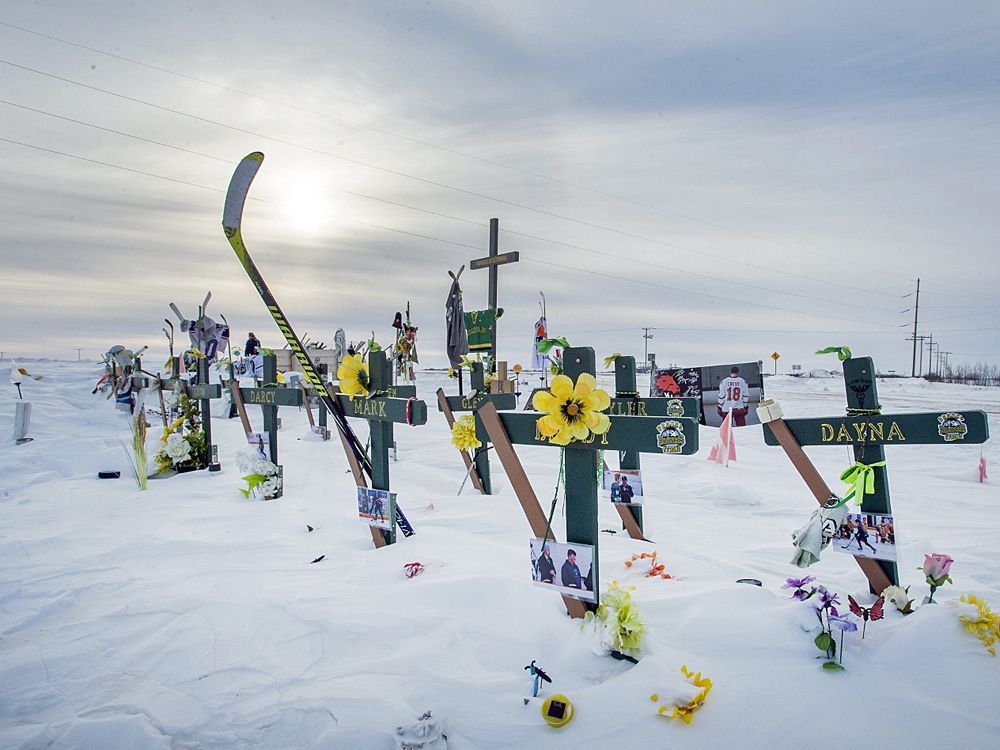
x: 463, y: 433
x: 353, y: 376
x: 572, y: 412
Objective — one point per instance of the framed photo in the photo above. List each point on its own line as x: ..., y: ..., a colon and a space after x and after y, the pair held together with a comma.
x: 377, y: 507
x: 260, y: 442
x: 870, y: 535
x: 622, y: 485
x: 564, y: 567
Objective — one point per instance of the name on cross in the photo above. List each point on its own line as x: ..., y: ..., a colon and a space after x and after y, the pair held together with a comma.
x: 365, y: 408
x: 263, y: 397
x: 864, y: 432
x: 493, y: 260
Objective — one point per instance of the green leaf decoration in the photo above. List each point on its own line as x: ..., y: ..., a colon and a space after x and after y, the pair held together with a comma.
x: 843, y: 352
x: 832, y: 666
x: 546, y: 345
x: 823, y: 641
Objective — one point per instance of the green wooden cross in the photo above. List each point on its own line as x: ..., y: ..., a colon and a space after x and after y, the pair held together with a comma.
x: 203, y: 392
x: 627, y: 403
x: 640, y: 434
x: 867, y: 431
x: 381, y: 413
x: 493, y: 261
x: 480, y: 395
x: 269, y: 397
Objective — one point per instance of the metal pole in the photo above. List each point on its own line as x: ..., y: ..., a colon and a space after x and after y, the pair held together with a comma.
x: 916, y: 310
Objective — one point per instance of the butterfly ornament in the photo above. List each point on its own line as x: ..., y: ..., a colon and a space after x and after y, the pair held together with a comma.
x: 872, y: 613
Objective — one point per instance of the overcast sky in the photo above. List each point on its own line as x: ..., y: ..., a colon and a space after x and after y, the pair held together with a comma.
x: 743, y: 177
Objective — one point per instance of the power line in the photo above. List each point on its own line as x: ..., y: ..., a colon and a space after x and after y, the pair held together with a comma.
x: 441, y: 185
x: 602, y: 274
x: 408, y: 139
x: 615, y: 256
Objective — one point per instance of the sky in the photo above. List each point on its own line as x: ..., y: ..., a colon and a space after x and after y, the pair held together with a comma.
x: 743, y: 178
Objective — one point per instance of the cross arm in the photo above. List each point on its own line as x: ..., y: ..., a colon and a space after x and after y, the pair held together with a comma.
x: 669, y: 435
x: 929, y: 428
x: 380, y: 409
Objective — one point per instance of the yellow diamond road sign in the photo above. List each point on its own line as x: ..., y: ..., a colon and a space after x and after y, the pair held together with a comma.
x: 775, y: 356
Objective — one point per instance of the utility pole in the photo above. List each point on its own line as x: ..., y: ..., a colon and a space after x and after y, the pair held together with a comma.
x: 946, y: 369
x: 916, y: 311
x: 78, y: 350
x: 922, y: 340
x: 931, y: 346
x: 645, y: 346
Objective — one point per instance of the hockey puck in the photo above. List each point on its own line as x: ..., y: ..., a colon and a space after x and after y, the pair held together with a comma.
x: 215, y: 467
x: 109, y: 474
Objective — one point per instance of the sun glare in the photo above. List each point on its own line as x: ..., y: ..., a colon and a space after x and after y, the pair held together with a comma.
x: 304, y: 208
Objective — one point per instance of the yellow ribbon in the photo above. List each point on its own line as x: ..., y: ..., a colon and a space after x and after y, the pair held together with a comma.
x: 861, y: 477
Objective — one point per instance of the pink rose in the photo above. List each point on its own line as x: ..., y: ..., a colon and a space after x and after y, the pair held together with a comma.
x: 936, y: 568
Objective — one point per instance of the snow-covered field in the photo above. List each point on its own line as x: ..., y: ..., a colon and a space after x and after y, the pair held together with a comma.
x: 189, y: 617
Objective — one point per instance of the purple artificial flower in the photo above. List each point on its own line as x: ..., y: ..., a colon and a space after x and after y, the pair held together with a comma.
x: 843, y: 623
x: 798, y: 584
x: 827, y: 601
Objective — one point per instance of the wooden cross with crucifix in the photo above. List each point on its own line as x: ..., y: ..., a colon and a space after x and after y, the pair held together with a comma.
x: 627, y: 403
x: 639, y: 434
x: 480, y: 395
x: 269, y: 396
x: 381, y: 412
x: 867, y: 430
x: 492, y: 262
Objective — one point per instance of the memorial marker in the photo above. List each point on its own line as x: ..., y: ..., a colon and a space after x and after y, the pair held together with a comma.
x: 640, y: 434
x: 867, y: 431
x: 381, y: 413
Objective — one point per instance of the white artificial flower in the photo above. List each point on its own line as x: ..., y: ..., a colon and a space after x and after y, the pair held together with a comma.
x: 269, y: 486
x: 177, y: 448
x: 263, y: 467
x: 245, y: 459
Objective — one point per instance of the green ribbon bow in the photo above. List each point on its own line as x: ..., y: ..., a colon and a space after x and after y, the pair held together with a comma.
x: 861, y: 477
x: 843, y: 352
x: 608, y: 361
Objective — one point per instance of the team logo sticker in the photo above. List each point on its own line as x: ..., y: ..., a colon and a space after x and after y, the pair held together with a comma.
x: 952, y: 427
x: 675, y: 408
x: 670, y: 436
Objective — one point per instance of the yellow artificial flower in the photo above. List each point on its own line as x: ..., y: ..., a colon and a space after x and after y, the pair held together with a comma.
x: 353, y: 376
x: 173, y: 426
x: 986, y: 627
x: 572, y: 412
x: 686, y: 711
x: 463, y: 433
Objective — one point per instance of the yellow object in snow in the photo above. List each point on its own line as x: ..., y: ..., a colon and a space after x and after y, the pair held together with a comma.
x: 557, y: 710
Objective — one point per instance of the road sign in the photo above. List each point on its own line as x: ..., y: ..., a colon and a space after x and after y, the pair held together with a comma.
x: 775, y: 356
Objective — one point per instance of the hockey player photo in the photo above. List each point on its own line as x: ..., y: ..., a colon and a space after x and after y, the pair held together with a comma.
x: 734, y: 396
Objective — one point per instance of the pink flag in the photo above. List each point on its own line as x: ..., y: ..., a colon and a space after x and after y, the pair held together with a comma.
x: 724, y: 449
x: 982, y: 469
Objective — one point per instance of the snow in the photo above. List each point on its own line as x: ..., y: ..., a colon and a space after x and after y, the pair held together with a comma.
x: 189, y: 617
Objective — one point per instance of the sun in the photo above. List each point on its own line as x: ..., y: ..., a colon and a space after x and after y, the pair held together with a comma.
x: 304, y: 208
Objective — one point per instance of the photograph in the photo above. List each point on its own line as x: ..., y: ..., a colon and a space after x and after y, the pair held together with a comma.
x: 723, y: 389
x: 260, y: 442
x: 732, y: 389
x: 565, y: 567
x: 376, y: 507
x: 622, y: 485
x: 867, y: 535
